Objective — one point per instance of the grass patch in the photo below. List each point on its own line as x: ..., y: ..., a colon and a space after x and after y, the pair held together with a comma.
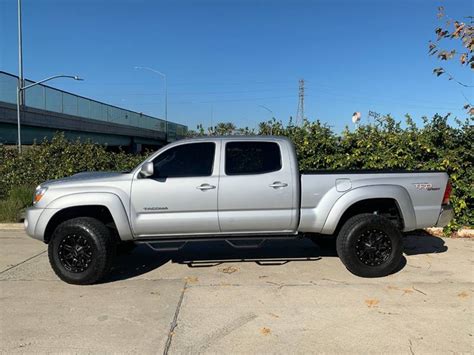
x: 12, y: 205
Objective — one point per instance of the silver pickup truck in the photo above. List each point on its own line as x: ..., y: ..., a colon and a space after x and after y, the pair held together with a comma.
x: 233, y: 189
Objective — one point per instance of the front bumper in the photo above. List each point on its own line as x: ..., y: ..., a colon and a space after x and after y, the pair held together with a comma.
x: 31, y: 220
x: 445, y: 216
x: 36, y: 221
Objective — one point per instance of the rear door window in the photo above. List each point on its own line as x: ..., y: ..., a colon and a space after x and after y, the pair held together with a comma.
x: 249, y: 158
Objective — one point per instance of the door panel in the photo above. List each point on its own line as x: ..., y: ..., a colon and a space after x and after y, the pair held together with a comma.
x: 171, y: 204
x: 255, y: 202
x: 174, y: 206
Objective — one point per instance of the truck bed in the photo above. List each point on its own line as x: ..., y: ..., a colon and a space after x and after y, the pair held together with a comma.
x: 325, y: 194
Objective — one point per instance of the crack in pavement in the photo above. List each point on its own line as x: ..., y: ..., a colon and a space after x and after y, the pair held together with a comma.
x: 24, y: 261
x: 417, y: 290
x: 174, y: 322
x: 411, y: 347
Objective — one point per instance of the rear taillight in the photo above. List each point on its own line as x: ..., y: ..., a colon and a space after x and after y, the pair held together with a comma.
x: 447, y: 193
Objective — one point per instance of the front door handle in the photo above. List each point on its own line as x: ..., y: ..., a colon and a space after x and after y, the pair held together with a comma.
x: 278, y: 184
x: 204, y: 187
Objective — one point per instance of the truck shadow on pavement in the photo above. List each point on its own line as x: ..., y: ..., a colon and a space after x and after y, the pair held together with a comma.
x: 272, y: 253
x: 421, y: 242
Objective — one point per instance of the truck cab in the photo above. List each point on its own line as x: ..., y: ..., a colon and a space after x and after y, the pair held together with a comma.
x: 217, y: 186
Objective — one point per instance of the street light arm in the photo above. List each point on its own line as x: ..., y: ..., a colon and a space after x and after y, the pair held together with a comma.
x: 75, y: 77
x: 166, y: 95
x: 152, y: 70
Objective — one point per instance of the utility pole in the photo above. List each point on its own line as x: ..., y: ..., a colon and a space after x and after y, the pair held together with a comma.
x: 19, y: 98
x: 300, y: 111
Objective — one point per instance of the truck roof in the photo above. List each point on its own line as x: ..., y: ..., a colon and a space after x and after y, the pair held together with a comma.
x: 236, y: 138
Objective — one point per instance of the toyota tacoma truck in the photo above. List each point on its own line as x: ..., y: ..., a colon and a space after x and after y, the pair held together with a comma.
x: 233, y: 189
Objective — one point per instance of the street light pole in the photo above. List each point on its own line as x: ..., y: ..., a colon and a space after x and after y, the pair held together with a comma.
x: 20, y: 89
x: 166, y: 95
x: 21, y: 85
x: 20, y: 75
x: 18, y: 93
x: 166, y: 108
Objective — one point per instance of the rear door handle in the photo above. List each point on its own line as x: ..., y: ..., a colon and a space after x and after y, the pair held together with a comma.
x: 278, y: 184
x: 204, y: 187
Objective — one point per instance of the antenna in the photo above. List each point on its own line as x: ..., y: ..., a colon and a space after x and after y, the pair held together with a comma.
x: 300, y: 111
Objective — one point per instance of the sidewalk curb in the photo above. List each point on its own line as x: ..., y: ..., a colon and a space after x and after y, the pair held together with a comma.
x: 11, y: 226
x: 461, y: 233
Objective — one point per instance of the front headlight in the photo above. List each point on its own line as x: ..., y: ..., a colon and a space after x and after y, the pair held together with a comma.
x: 39, y: 193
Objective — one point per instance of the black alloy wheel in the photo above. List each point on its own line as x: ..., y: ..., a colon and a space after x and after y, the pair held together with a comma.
x: 373, y: 247
x: 75, y: 253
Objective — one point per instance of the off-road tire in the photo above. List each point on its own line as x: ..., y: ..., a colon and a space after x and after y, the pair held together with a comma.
x: 349, y: 243
x: 99, y: 241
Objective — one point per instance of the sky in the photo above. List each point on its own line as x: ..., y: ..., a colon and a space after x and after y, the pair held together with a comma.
x: 224, y: 60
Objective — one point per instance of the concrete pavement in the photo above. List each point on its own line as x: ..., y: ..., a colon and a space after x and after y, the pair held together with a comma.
x: 288, y: 296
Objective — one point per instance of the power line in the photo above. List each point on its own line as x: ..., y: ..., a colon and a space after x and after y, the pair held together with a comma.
x: 203, y: 92
x: 235, y: 100
x: 374, y: 100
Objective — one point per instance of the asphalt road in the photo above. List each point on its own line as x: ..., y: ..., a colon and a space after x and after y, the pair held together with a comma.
x: 286, y: 297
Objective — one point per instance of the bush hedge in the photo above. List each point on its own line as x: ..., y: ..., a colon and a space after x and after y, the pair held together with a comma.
x: 387, y: 144
x: 55, y: 159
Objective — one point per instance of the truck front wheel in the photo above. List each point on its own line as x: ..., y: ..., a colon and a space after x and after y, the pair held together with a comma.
x: 370, y: 245
x: 81, y: 250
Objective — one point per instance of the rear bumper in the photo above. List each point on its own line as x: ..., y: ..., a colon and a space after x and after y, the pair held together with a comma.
x: 445, y: 216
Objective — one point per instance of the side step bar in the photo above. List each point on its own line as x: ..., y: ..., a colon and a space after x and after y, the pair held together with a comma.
x: 237, y: 245
x: 173, y: 246
x: 234, y: 242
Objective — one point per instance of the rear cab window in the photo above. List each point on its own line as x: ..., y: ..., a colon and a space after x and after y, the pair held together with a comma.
x: 251, y: 158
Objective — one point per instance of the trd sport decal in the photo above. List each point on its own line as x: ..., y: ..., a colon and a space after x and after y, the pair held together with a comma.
x: 426, y: 186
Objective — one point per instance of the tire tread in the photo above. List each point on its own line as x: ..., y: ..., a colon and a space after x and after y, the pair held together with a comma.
x: 344, y: 249
x: 105, y: 249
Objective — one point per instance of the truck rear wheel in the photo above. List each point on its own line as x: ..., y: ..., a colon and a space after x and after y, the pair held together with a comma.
x: 81, y: 251
x: 370, y: 245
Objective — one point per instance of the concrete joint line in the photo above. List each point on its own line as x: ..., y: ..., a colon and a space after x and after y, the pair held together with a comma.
x: 24, y: 261
x: 174, y: 323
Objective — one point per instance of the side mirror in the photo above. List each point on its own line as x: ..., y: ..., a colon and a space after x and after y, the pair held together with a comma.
x: 147, y: 169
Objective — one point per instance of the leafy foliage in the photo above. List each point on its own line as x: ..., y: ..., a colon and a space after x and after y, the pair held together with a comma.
x: 17, y: 199
x: 389, y: 145
x: 221, y: 129
x: 55, y: 159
